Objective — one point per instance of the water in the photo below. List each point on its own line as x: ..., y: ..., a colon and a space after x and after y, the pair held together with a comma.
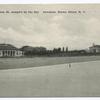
x: 81, y: 79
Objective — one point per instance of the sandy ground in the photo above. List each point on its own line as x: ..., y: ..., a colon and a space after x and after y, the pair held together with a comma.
x: 81, y: 79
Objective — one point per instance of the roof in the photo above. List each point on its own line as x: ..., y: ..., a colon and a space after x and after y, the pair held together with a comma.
x: 30, y: 48
x: 7, y: 47
x: 95, y: 46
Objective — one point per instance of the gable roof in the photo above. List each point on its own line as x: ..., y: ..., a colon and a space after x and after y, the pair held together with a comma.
x: 97, y: 46
x: 7, y: 47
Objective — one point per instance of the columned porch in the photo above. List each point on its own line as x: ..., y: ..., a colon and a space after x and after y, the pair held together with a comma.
x: 8, y: 53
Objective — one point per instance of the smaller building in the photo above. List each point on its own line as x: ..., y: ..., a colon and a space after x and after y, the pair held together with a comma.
x: 94, y: 49
x: 30, y: 51
x: 7, y: 50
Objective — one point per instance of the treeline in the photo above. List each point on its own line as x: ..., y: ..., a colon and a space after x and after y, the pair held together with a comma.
x: 42, y: 51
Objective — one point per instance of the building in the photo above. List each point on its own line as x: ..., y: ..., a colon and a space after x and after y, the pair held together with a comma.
x: 29, y: 50
x: 7, y: 50
x: 94, y: 49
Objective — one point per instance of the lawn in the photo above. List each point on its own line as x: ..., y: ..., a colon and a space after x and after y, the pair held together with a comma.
x: 81, y: 79
x: 12, y: 63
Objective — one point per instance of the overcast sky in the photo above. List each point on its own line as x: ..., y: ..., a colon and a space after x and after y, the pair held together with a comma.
x: 77, y: 31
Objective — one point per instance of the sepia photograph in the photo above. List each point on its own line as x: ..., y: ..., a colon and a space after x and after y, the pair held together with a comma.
x: 49, y: 50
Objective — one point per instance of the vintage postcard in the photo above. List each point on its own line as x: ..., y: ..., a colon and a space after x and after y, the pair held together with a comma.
x: 49, y: 50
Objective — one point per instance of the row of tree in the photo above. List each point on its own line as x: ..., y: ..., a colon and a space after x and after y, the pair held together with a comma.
x: 42, y: 51
x: 30, y: 51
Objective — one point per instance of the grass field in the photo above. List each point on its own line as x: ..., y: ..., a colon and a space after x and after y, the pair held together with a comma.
x: 82, y: 79
x: 9, y: 63
x: 54, y: 79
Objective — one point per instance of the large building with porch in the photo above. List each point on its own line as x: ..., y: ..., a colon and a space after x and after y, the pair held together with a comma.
x: 8, y: 50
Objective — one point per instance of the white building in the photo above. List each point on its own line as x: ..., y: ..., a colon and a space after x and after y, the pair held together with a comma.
x: 7, y: 50
x: 94, y: 49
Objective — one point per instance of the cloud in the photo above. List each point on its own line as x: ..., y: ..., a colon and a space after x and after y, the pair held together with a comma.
x: 56, y: 30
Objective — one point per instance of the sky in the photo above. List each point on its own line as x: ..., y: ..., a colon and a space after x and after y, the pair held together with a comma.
x: 75, y: 30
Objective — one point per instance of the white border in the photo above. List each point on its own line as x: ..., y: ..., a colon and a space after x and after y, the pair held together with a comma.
x: 46, y: 1
x: 49, y: 2
x: 50, y: 98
